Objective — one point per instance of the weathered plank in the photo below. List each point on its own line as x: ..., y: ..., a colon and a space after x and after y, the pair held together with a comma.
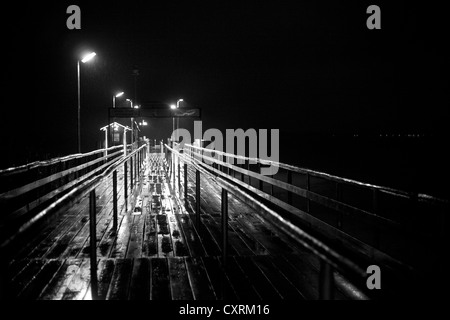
x: 202, y: 288
x: 283, y: 285
x: 150, y: 245
x: 23, y: 279
x: 105, y: 273
x: 262, y: 285
x: 120, y: 245
x: 160, y: 289
x: 240, y: 282
x: 57, y: 286
x: 40, y: 280
x: 79, y: 283
x: 140, y: 280
x: 218, y: 278
x: 165, y: 248
x: 235, y: 241
x: 120, y: 282
x: 136, y: 234
x: 179, y: 281
x: 193, y: 240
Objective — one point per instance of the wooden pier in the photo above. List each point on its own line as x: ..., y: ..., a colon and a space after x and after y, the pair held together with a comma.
x: 174, y: 228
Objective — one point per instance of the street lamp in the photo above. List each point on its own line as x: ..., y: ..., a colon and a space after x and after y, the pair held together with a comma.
x: 132, y: 125
x: 178, y: 119
x: 172, y: 106
x: 116, y: 96
x: 85, y: 59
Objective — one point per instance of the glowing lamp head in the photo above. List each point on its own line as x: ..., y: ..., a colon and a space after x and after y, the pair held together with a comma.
x: 119, y: 94
x: 88, y: 57
x: 173, y: 106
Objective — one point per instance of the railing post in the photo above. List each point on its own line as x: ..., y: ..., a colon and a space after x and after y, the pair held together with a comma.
x: 173, y: 168
x: 93, y: 244
x: 115, y: 201
x: 326, y: 281
x: 131, y: 176
x: 197, y: 197
x: 125, y: 187
x: 179, y: 181
x: 185, y: 185
x: 224, y: 226
x: 289, y: 181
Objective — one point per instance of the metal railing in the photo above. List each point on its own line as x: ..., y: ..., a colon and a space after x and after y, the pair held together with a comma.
x: 329, y: 258
x: 224, y: 173
x: 132, y: 165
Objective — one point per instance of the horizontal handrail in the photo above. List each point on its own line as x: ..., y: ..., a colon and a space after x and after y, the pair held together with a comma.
x: 29, y: 166
x: 53, y: 177
x: 77, y: 192
x: 419, y: 196
x: 341, y: 263
x: 328, y: 202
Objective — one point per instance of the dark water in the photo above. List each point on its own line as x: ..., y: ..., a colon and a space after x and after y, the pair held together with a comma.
x: 410, y: 163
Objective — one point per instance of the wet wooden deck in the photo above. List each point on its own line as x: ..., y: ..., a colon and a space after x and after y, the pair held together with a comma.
x: 159, y: 253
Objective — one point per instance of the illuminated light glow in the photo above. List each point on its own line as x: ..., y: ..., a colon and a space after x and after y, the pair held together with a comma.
x: 136, y: 107
x: 173, y: 106
x: 88, y: 57
x: 119, y: 94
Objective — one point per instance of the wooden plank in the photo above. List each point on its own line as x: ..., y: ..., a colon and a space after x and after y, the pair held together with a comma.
x: 240, y: 282
x: 140, y: 280
x: 136, y: 234
x: 165, y: 248
x: 107, y: 241
x: 160, y: 289
x: 73, y: 241
x: 23, y: 279
x: 64, y: 238
x: 255, y: 246
x: 179, y: 281
x: 303, y: 277
x: 278, y: 280
x: 178, y: 240
x: 105, y: 233
x: 79, y: 283
x: 218, y: 278
x: 265, y: 289
x: 57, y: 286
x: 234, y: 239
x: 193, y: 240
x: 308, y: 269
x: 150, y: 245
x: 40, y: 280
x: 202, y: 288
x: 120, y: 282
x: 42, y: 244
x: 270, y: 240
x: 50, y: 231
x: 105, y: 273
x: 209, y: 243
x: 120, y: 246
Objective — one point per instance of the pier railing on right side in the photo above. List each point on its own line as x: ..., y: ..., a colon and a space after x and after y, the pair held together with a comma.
x: 370, y: 224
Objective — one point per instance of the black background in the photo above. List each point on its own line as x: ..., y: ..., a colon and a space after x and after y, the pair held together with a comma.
x: 310, y: 69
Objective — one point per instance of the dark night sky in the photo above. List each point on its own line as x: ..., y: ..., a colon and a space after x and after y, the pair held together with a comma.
x: 300, y: 66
